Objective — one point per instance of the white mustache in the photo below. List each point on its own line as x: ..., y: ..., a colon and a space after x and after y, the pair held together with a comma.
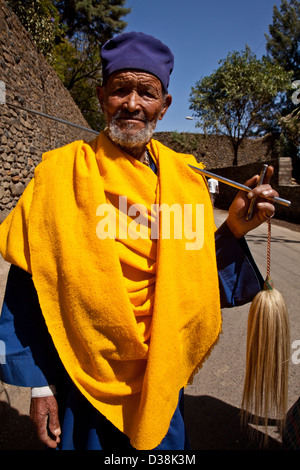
x: 125, y: 114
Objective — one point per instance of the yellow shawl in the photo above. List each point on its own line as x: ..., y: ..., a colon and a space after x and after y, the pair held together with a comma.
x: 131, y: 319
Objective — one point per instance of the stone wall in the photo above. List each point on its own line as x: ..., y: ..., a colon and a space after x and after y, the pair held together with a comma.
x: 242, y: 173
x: 24, y: 137
x: 215, y: 151
x: 217, y: 155
x: 30, y: 82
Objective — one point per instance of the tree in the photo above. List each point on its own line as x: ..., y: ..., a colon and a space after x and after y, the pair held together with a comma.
x: 290, y: 125
x: 88, y: 25
x: 78, y: 65
x: 237, y: 98
x: 41, y: 19
x: 96, y: 19
x: 70, y: 33
x: 79, y: 68
x: 283, y: 47
x: 283, y: 44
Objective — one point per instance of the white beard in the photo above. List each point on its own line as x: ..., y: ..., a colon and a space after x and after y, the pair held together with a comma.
x: 121, y: 138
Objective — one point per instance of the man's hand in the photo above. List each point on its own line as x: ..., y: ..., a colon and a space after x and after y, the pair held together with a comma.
x: 44, y: 413
x: 264, y: 209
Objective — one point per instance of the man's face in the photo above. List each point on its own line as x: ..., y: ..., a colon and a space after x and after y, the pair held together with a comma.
x: 132, y: 101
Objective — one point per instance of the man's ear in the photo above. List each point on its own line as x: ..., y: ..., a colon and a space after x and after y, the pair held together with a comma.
x: 167, y: 104
x: 100, y: 93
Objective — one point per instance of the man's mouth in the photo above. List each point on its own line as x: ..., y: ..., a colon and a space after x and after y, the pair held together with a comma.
x: 130, y: 118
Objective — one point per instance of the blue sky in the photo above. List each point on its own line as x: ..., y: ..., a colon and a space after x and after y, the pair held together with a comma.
x: 200, y: 33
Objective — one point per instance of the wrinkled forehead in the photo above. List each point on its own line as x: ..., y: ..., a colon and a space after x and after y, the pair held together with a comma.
x: 135, y: 78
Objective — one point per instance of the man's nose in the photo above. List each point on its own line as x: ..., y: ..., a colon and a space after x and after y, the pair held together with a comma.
x: 132, y: 102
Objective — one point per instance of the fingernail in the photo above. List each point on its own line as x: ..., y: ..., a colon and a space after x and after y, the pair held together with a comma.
x: 57, y: 432
x: 250, y: 195
x: 266, y: 193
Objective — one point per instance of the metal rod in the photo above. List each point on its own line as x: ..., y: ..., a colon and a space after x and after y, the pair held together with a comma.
x: 222, y: 179
x: 253, y: 200
x: 53, y: 118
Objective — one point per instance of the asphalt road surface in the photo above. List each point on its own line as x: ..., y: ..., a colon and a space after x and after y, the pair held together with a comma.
x: 212, y: 402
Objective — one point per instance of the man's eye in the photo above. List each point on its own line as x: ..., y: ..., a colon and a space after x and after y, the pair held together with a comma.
x: 148, y: 93
x: 120, y: 90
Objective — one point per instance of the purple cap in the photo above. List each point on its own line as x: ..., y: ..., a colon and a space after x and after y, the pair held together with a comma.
x: 137, y: 51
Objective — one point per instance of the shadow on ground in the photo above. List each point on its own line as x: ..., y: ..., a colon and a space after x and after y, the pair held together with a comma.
x: 17, y: 431
x: 211, y: 424
x: 215, y: 425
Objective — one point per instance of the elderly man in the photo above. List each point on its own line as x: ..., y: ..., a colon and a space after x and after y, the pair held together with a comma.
x: 118, y: 276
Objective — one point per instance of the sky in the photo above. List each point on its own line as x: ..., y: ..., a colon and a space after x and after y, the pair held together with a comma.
x: 200, y: 33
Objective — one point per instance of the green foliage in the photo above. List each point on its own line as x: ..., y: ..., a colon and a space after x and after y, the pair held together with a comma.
x: 88, y: 24
x: 78, y: 65
x: 291, y: 125
x: 41, y: 19
x: 96, y: 19
x: 283, y: 43
x: 237, y: 98
x: 288, y: 141
x: 283, y: 47
x: 70, y: 33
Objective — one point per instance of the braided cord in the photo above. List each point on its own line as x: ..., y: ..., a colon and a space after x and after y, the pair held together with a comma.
x: 269, y: 249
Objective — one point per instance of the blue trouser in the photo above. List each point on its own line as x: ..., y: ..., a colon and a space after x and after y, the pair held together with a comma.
x: 84, y: 428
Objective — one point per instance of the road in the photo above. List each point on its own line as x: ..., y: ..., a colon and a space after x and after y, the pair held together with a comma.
x: 212, y: 402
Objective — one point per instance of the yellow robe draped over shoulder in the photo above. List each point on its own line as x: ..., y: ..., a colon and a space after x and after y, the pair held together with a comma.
x: 132, y: 315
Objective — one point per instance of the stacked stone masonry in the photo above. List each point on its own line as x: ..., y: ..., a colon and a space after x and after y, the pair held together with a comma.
x: 30, y: 82
x: 216, y: 151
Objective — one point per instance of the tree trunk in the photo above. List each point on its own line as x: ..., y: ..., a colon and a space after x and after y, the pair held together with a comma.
x: 235, y: 151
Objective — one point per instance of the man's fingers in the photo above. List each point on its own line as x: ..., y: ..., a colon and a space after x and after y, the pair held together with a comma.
x: 44, y: 413
x: 269, y: 174
x: 264, y: 190
x: 43, y: 434
x: 252, y: 182
x: 53, y: 424
x: 265, y: 210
